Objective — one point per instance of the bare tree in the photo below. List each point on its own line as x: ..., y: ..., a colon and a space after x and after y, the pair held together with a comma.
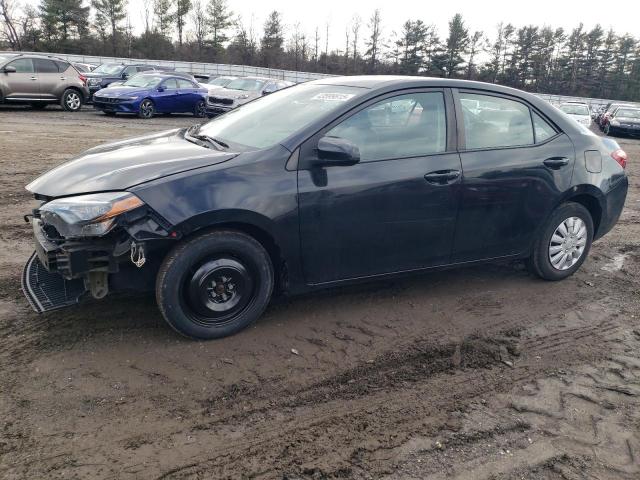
x: 200, y: 24
x: 373, y: 43
x: 7, y: 13
x: 356, y: 22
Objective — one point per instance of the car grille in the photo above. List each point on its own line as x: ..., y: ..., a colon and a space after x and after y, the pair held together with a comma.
x: 105, y: 99
x: 220, y: 100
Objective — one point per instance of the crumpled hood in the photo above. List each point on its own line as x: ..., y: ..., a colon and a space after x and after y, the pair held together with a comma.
x: 121, y: 165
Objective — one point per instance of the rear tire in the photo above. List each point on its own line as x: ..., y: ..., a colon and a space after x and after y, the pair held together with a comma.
x: 563, y: 244
x: 200, y: 110
x: 215, y: 284
x: 71, y: 100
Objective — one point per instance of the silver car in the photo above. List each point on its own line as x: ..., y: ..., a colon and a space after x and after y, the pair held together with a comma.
x: 39, y: 80
x: 241, y: 91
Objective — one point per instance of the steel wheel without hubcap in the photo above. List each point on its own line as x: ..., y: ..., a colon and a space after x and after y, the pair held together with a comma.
x: 73, y: 101
x: 218, y: 290
x: 567, y: 243
x: 146, y: 109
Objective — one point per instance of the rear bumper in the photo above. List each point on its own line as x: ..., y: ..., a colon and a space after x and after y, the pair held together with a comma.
x: 613, y: 206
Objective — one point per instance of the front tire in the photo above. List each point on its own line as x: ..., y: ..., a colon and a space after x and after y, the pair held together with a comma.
x: 563, y: 244
x: 147, y: 109
x: 71, y: 100
x: 215, y: 284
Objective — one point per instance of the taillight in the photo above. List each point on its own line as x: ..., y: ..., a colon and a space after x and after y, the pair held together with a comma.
x: 620, y: 156
x: 83, y: 79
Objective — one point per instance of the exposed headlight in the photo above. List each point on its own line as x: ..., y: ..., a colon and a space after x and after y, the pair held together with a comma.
x: 94, y: 81
x: 87, y: 215
x: 125, y: 99
x: 242, y: 96
x: 615, y: 123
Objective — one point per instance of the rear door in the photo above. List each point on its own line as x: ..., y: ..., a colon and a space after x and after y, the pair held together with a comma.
x: 188, y: 95
x: 23, y: 83
x: 516, y: 166
x: 396, y: 209
x: 49, y: 77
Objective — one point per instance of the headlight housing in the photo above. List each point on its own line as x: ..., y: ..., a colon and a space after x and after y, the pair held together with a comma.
x: 87, y: 215
x: 242, y: 96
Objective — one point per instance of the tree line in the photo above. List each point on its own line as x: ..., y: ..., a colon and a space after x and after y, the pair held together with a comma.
x: 583, y: 62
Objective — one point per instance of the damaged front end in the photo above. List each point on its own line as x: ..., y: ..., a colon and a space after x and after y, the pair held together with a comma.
x: 89, y: 245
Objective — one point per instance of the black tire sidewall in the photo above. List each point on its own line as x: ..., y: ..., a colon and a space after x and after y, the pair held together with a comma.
x: 196, y: 110
x: 540, y: 262
x: 175, y: 268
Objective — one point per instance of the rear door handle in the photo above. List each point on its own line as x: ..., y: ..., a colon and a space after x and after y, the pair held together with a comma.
x: 556, y: 162
x: 442, y: 177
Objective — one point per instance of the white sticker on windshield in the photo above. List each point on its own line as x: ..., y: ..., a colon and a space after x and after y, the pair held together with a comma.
x: 333, y: 97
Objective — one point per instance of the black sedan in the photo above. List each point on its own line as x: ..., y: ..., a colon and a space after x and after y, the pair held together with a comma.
x: 624, y: 121
x: 332, y: 181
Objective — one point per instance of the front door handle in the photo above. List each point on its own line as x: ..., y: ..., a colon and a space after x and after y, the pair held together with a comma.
x: 556, y: 162
x: 34, y: 78
x: 442, y: 177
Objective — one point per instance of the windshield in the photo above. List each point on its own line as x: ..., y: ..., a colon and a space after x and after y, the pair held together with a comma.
x: 3, y: 58
x: 219, y: 82
x: 143, y: 81
x: 269, y: 120
x: 246, y: 84
x: 628, y: 113
x: 109, y: 68
x: 574, y: 109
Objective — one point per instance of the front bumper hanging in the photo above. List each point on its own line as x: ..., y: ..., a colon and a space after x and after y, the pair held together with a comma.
x: 48, y: 291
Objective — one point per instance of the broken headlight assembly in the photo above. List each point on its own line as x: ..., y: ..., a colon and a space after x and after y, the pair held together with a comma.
x: 90, y: 215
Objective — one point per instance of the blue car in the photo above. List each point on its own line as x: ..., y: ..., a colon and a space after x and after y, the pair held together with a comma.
x: 148, y: 94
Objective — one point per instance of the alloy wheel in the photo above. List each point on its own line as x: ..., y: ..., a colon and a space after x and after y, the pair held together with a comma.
x: 73, y: 101
x: 567, y: 243
x: 146, y: 109
x: 201, y: 109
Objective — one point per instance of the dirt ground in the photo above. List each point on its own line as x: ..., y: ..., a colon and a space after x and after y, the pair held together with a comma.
x: 483, y: 372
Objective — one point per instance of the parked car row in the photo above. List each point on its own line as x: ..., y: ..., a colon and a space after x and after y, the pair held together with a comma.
x: 619, y: 119
x: 141, y: 89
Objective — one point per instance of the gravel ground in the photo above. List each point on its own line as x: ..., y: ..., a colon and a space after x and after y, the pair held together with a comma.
x: 482, y: 372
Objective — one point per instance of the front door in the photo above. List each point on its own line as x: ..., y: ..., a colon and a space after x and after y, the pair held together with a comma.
x: 22, y: 84
x: 167, y: 100
x: 396, y: 209
x: 516, y: 167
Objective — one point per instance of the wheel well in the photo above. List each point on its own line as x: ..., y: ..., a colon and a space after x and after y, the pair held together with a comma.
x: 264, y: 238
x: 593, y: 206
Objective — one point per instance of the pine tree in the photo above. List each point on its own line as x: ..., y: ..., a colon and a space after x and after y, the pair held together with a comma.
x: 219, y: 21
x: 183, y: 7
x: 63, y: 19
x: 456, y: 46
x: 164, y: 16
x: 113, y: 12
x: 374, y: 40
x: 272, y: 40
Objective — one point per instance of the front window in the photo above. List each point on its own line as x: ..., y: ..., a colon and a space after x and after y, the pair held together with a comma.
x: 219, y: 82
x: 270, y: 119
x: 573, y: 109
x: 399, y: 127
x: 23, y: 65
x: 628, y: 113
x: 246, y: 84
x: 143, y: 81
x: 108, y: 69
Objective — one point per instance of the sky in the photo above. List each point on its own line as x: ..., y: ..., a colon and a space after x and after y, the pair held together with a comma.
x: 483, y: 15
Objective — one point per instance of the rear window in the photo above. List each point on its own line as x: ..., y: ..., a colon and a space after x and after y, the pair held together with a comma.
x: 542, y: 129
x: 628, y: 113
x: 496, y: 122
x: 185, y: 84
x: 574, y: 109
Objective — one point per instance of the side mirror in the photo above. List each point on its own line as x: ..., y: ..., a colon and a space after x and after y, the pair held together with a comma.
x: 125, y: 75
x: 160, y: 88
x: 336, y: 151
x: 9, y: 69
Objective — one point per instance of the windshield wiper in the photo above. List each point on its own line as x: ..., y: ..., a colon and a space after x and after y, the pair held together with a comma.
x: 217, y: 143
